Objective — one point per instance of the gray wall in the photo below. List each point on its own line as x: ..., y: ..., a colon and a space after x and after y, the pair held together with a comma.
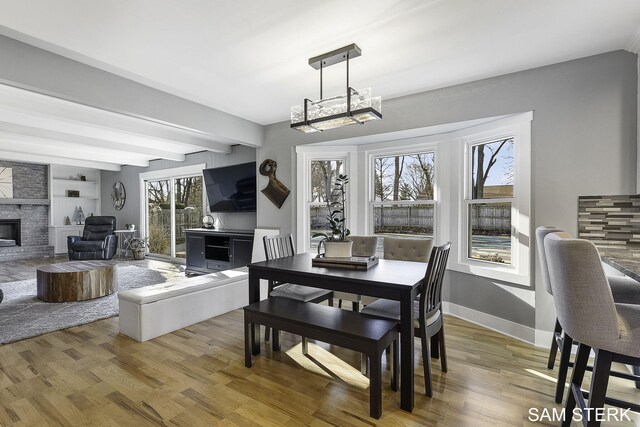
x: 129, y: 176
x: 583, y: 142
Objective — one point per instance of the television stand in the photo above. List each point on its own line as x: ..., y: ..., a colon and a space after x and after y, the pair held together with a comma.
x: 211, y: 250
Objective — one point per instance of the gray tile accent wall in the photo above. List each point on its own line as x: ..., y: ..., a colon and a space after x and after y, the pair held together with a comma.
x: 30, y: 181
x: 609, y: 220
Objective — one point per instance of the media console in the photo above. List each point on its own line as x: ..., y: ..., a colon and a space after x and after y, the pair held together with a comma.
x: 215, y: 250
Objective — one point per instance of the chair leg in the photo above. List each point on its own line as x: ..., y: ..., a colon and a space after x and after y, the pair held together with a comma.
x: 443, y: 351
x: 305, y: 346
x: 435, y: 348
x: 276, y: 340
x: 395, y: 363
x: 599, y: 383
x: 355, y: 306
x: 565, y: 354
x: 330, y: 302
x: 267, y: 331
x: 579, y: 367
x: 364, y: 364
x: 339, y: 303
x: 554, y: 345
x: 426, y: 363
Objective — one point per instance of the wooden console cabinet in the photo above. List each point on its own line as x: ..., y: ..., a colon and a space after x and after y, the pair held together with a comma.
x: 214, y: 250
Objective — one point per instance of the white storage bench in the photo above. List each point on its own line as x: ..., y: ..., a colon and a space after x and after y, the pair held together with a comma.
x: 151, y: 311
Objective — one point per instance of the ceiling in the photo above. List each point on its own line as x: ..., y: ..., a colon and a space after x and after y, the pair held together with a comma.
x: 249, y: 57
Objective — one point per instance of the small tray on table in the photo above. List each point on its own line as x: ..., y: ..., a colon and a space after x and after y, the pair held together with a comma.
x: 354, y: 262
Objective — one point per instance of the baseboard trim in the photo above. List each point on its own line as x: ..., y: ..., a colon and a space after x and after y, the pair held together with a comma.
x: 505, y: 327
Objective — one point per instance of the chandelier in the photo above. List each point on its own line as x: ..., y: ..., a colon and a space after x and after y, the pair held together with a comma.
x: 356, y: 106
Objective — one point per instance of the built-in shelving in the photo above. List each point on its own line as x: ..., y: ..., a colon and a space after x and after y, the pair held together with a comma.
x: 61, y: 180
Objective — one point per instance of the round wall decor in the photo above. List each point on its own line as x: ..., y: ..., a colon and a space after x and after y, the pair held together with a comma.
x: 118, y: 195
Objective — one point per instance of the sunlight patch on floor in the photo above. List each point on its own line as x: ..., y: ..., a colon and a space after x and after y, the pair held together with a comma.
x: 325, y: 363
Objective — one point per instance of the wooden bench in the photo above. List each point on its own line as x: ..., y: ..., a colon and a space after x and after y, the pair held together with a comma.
x: 364, y: 333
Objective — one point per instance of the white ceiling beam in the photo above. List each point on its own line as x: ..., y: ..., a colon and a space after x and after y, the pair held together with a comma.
x: 84, y: 117
x: 37, y: 158
x: 27, y: 144
x: 93, y: 143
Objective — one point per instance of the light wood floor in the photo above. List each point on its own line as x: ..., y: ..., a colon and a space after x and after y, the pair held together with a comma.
x: 92, y: 375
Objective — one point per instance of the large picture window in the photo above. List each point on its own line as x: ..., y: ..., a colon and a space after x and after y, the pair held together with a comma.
x: 403, y: 194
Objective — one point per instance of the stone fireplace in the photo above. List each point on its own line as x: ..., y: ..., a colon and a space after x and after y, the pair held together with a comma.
x: 10, y: 232
x: 25, y: 217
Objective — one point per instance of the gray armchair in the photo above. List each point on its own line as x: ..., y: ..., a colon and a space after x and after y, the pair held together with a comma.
x: 98, y: 240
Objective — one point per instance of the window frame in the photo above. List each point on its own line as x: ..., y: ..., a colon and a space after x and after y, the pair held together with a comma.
x: 518, y: 128
x: 416, y: 147
x: 304, y: 156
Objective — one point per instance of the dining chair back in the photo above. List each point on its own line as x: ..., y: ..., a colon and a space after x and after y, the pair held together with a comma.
x: 588, y: 313
x: 431, y: 291
x: 407, y: 249
x: 278, y: 246
x: 362, y: 246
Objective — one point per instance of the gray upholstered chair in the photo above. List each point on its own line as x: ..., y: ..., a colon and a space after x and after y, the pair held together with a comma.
x: 364, y: 246
x: 624, y: 290
x: 280, y: 247
x: 588, y: 313
x: 428, y: 323
x: 403, y: 249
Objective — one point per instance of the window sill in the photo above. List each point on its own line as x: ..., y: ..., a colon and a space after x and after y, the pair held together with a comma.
x: 505, y: 274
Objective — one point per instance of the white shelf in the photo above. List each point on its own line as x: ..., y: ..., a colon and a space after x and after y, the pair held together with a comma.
x: 74, y: 181
x: 75, y: 198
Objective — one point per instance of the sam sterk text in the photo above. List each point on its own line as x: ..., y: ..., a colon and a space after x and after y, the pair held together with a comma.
x: 589, y: 414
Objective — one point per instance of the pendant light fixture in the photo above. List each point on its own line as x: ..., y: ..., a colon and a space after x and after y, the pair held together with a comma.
x: 356, y: 106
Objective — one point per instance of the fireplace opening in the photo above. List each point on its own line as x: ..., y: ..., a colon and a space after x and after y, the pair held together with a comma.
x: 9, y: 232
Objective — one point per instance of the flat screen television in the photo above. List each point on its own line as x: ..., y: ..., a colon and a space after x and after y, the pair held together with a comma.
x: 231, y: 188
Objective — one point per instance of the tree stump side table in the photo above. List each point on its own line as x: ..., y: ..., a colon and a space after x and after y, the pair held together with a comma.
x: 76, y: 281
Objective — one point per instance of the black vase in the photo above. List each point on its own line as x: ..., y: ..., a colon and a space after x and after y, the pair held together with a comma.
x: 1, y: 295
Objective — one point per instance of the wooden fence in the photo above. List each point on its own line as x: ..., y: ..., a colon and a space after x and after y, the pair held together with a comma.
x: 492, y: 219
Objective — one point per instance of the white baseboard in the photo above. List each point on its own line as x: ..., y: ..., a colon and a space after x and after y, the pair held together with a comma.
x: 505, y: 327
x: 543, y: 338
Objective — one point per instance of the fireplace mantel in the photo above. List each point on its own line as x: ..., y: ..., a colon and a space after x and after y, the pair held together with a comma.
x: 24, y: 201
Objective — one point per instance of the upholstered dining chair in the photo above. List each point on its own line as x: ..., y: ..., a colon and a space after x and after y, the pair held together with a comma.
x: 98, y: 240
x: 279, y: 247
x: 588, y: 313
x: 429, y: 322
x: 363, y: 246
x: 624, y: 290
x: 403, y: 249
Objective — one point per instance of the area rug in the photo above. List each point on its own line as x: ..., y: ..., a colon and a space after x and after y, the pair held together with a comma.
x: 23, y: 315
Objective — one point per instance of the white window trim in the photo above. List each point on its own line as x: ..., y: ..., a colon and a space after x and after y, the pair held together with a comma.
x: 518, y: 127
x: 304, y: 156
x: 415, y: 146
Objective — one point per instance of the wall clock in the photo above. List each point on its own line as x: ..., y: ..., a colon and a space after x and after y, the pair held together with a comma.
x: 6, y: 183
x: 118, y: 195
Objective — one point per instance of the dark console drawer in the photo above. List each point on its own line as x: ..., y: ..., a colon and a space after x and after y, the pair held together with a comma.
x: 218, y: 265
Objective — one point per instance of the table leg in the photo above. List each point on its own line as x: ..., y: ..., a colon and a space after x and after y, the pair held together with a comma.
x: 254, y: 296
x: 406, y: 351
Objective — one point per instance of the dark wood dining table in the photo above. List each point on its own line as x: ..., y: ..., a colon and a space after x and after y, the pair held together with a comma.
x: 389, y: 279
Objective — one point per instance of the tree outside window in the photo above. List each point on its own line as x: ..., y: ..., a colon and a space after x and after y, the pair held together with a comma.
x: 490, y: 204
x: 403, y: 194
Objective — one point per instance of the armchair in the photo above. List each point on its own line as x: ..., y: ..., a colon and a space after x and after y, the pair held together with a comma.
x: 98, y: 239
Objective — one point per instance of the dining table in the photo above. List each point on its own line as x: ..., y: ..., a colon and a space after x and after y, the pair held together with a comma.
x: 390, y: 279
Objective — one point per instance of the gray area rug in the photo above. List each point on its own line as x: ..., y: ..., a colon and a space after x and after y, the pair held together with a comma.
x: 23, y: 315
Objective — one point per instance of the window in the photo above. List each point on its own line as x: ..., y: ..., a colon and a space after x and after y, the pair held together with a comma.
x: 491, y: 201
x: 403, y: 194
x: 173, y: 203
x: 317, y: 170
x: 322, y: 181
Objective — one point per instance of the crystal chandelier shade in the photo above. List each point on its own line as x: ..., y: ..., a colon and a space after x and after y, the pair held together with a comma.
x: 356, y: 106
